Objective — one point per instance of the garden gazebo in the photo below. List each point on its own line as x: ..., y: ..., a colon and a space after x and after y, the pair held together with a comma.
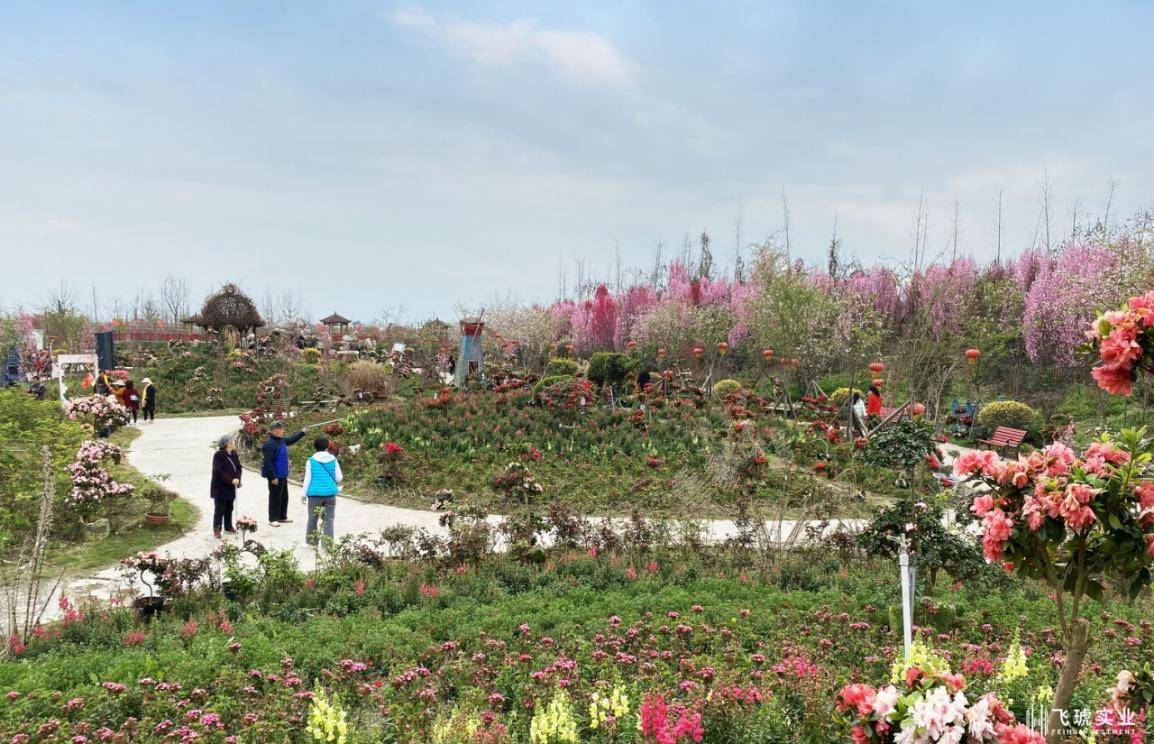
x: 337, y: 324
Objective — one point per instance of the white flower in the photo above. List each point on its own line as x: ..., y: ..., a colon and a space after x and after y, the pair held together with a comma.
x: 885, y: 700
x: 978, y: 719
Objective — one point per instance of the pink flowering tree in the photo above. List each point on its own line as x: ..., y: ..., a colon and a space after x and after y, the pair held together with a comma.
x: 1080, y: 522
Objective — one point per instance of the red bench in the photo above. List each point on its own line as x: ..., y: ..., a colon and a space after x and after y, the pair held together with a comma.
x: 1005, y: 438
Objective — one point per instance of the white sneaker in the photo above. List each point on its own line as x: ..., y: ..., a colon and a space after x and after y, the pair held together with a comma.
x: 274, y: 524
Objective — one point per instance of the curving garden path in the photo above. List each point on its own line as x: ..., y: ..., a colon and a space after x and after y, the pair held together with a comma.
x: 182, y: 449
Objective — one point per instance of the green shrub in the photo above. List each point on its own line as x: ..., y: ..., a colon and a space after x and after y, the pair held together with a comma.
x: 310, y: 355
x: 609, y: 368
x: 723, y: 388
x: 549, y: 380
x: 1010, y: 413
x: 562, y: 367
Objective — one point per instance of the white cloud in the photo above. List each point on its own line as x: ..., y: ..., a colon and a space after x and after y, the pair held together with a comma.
x: 580, y: 56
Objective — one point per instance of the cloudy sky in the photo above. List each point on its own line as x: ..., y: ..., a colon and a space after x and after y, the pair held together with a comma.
x: 369, y: 154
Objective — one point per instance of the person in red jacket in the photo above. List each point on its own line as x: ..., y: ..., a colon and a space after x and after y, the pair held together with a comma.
x: 131, y: 399
x: 873, y: 402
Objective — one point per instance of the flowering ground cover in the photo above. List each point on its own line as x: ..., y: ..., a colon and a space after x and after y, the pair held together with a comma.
x: 666, y: 645
x: 678, y: 453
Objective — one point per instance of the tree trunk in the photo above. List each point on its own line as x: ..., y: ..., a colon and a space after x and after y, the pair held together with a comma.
x: 1076, y: 648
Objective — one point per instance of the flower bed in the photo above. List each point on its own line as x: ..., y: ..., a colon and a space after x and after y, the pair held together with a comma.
x: 593, y: 645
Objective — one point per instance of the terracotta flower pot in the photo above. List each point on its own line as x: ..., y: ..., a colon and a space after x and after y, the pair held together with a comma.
x: 157, y: 519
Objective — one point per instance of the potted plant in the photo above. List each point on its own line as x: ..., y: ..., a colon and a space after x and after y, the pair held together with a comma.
x: 148, y: 562
x: 159, y: 506
x: 159, y: 502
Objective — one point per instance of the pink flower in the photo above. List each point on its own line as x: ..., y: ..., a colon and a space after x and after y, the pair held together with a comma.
x: 982, y: 505
x: 984, y: 462
x: 1108, y: 451
x: 997, y: 530
x: 1020, y: 734
x: 1114, y: 380
x: 859, y: 697
x: 1121, y: 348
x: 1059, y: 459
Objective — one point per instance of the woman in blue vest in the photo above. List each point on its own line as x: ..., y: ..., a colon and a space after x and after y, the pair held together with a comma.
x: 322, y: 484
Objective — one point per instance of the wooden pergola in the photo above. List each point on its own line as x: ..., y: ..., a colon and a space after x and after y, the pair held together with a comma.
x: 337, y: 324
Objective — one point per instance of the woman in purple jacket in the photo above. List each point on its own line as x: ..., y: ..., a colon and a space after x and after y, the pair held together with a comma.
x: 226, y: 472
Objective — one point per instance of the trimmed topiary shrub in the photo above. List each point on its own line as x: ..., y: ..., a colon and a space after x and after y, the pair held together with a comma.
x: 609, y: 367
x: 561, y: 367
x: 723, y: 388
x: 1010, y: 413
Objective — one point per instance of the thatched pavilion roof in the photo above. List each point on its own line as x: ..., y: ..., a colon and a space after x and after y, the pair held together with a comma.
x: 228, y: 308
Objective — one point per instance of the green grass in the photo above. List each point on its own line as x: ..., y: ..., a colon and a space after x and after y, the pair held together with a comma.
x: 74, y: 558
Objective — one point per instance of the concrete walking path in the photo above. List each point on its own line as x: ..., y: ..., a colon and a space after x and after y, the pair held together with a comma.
x: 182, y: 449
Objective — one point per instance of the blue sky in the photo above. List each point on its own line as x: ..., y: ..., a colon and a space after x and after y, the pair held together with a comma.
x: 372, y: 155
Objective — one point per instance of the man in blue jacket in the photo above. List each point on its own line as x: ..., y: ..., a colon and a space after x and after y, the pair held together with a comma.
x: 275, y: 469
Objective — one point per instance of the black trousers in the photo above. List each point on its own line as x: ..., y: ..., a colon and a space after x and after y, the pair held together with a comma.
x: 222, y: 514
x: 149, y: 413
x: 277, y: 500
x: 133, y: 410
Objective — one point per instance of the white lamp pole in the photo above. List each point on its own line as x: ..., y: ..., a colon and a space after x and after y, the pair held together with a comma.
x: 907, y: 594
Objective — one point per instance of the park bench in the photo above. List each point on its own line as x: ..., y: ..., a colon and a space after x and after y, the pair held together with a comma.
x: 1005, y: 438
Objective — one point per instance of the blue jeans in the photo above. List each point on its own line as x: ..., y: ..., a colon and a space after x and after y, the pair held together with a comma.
x: 329, y: 505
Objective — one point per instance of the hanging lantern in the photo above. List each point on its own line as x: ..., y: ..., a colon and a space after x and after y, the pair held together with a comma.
x: 917, y: 409
x: 632, y: 345
x: 972, y: 355
x: 667, y: 374
x: 878, y: 383
x: 722, y: 347
x: 794, y: 362
x: 697, y: 352
x: 661, y: 353
x: 876, y: 367
x: 767, y: 354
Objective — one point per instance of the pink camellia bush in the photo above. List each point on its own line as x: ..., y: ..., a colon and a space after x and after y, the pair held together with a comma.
x: 1077, y: 521
x: 1124, y: 341
x: 92, y: 484
x: 101, y: 413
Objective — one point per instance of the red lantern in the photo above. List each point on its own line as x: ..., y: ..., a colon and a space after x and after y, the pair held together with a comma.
x: 661, y: 353
x: 667, y: 374
x: 876, y: 367
x: 878, y: 382
x: 972, y: 355
x: 722, y: 347
x: 794, y: 362
x: 767, y: 354
x: 918, y: 409
x: 697, y: 352
x: 631, y: 345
